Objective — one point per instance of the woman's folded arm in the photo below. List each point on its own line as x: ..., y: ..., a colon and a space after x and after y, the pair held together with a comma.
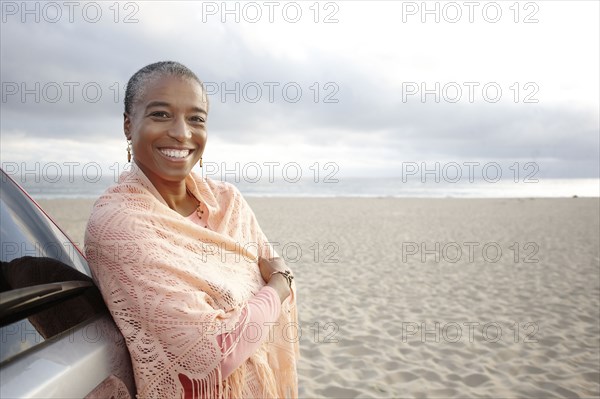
x: 261, y: 310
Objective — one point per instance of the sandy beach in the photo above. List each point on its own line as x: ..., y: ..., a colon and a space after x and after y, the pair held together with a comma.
x: 435, y: 297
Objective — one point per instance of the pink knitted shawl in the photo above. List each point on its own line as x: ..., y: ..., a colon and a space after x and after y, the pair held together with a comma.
x: 173, y: 286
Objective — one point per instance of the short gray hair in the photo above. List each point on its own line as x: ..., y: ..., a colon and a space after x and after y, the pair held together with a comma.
x: 139, y: 79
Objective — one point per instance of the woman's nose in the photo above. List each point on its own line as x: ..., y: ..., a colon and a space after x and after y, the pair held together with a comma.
x: 180, y: 129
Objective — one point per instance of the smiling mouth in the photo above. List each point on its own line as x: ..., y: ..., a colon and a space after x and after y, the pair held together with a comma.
x: 175, y: 154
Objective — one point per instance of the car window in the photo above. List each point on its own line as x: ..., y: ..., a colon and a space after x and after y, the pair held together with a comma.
x: 45, y: 283
x: 26, y: 231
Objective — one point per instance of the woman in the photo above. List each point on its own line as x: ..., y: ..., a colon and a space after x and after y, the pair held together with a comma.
x: 182, y: 264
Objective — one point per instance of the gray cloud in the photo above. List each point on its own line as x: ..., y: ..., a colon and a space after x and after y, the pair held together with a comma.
x: 369, y: 113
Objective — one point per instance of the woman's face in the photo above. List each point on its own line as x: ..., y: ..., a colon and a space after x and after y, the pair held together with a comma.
x: 167, y: 127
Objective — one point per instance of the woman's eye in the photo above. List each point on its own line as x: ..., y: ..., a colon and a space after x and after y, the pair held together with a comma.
x: 160, y: 114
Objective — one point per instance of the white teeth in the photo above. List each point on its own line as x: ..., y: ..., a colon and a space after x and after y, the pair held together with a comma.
x: 175, y: 153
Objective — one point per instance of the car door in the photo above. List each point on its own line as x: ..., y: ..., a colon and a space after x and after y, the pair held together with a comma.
x: 57, y: 339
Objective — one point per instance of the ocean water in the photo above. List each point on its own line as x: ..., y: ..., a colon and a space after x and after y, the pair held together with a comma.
x: 348, y: 187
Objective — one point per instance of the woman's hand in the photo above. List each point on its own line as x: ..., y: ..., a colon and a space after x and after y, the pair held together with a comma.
x: 277, y: 281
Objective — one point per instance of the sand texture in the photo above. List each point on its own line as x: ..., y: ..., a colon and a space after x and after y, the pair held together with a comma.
x: 436, y: 297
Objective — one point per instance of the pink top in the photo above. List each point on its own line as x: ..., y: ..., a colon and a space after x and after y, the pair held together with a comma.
x: 262, y: 308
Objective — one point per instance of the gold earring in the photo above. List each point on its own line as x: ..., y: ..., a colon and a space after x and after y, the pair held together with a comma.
x: 128, y: 150
x: 200, y: 161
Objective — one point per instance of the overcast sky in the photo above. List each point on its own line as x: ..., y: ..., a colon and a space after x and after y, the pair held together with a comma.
x: 315, y: 82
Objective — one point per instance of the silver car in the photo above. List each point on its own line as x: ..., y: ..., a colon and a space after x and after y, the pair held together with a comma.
x: 57, y: 339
